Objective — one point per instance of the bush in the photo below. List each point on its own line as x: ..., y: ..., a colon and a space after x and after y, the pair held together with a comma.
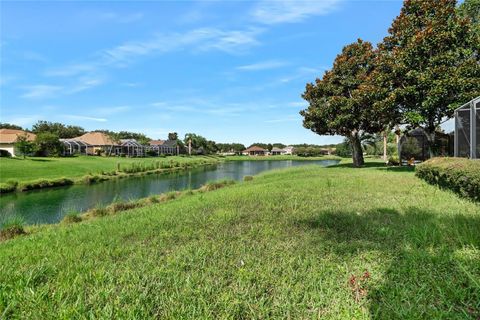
x: 72, y: 217
x: 5, y: 154
x: 393, y: 161
x: 210, y: 186
x: 12, y: 228
x: 99, y: 211
x: 43, y: 183
x: 462, y: 176
x: 247, y: 178
x: 9, y: 186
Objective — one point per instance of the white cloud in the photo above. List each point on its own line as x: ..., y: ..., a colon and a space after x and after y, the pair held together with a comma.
x: 77, y: 117
x: 264, y: 65
x: 71, y: 70
x: 284, y: 11
x: 41, y: 91
x: 84, y: 84
x: 203, y: 39
x: 285, y: 119
x: 298, y: 104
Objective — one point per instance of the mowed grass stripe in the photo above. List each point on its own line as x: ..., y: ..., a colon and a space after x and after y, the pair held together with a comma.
x: 283, y: 245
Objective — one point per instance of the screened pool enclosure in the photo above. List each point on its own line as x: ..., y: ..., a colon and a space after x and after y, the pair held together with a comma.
x: 467, y: 130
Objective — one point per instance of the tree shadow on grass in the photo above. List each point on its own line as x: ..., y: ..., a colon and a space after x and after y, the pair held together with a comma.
x: 432, y: 261
x: 375, y: 165
x: 41, y: 160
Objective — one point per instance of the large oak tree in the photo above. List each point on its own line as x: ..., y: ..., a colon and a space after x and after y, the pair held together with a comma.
x: 428, y: 64
x: 343, y: 101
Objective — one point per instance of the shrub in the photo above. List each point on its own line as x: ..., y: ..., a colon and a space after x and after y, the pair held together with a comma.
x: 153, y: 199
x: 393, y: 161
x: 210, y: 186
x: 12, y: 228
x: 9, y: 186
x: 99, y: 211
x: 248, y: 178
x: 5, y: 154
x: 122, y: 206
x: 462, y: 176
x: 44, y: 183
x: 71, y: 217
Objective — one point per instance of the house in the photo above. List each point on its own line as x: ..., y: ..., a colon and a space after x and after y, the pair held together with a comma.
x: 277, y: 152
x: 99, y: 142
x: 132, y: 148
x: 288, y: 150
x: 255, y: 151
x: 164, y: 146
x: 8, y: 137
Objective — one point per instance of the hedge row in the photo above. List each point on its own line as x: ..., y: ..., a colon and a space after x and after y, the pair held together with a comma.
x: 460, y: 175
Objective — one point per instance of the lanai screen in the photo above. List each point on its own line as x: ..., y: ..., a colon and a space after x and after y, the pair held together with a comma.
x: 467, y: 130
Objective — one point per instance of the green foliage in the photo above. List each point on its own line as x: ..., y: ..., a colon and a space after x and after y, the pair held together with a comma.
x: 71, y: 217
x: 344, y: 149
x: 460, y: 175
x: 173, y: 136
x: 285, y: 245
x: 341, y: 103
x: 247, y: 178
x: 426, y: 65
x: 231, y: 147
x: 23, y: 146
x: 44, y: 183
x: 200, y: 145
x: 11, y: 228
x: 10, y: 126
x: 60, y: 130
x: 9, y: 186
x: 48, y: 144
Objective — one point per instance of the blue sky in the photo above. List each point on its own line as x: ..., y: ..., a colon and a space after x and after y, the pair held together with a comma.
x: 230, y: 71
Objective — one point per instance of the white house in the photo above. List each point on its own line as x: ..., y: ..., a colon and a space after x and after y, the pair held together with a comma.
x: 8, y: 137
x: 288, y: 150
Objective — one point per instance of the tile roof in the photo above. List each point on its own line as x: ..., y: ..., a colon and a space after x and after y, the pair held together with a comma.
x: 11, y: 135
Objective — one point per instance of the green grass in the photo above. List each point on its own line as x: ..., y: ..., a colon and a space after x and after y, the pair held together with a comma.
x: 301, y: 243
x: 37, y: 173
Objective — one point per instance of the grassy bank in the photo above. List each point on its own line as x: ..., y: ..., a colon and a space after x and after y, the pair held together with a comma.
x: 286, y: 157
x: 36, y: 173
x: 306, y: 242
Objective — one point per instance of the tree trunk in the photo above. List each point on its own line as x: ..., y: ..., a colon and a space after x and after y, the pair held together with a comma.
x: 385, y: 146
x: 357, y: 151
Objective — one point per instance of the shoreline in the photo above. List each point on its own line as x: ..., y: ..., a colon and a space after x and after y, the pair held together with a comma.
x: 24, y: 186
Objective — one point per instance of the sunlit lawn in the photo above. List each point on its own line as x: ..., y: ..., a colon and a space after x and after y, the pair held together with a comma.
x: 301, y: 243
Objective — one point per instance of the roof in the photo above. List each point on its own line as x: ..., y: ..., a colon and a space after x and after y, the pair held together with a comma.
x: 130, y: 142
x: 164, y: 143
x: 74, y: 142
x: 96, y: 139
x: 277, y: 150
x: 255, y: 148
x: 157, y: 142
x: 11, y: 135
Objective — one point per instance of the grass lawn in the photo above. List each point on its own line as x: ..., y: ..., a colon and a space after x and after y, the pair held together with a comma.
x: 301, y: 243
x: 75, y: 167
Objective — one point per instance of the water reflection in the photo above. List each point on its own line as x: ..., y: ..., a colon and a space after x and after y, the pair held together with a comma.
x: 50, y: 205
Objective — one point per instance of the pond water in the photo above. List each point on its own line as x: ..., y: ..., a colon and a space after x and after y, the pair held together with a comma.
x: 51, y: 205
